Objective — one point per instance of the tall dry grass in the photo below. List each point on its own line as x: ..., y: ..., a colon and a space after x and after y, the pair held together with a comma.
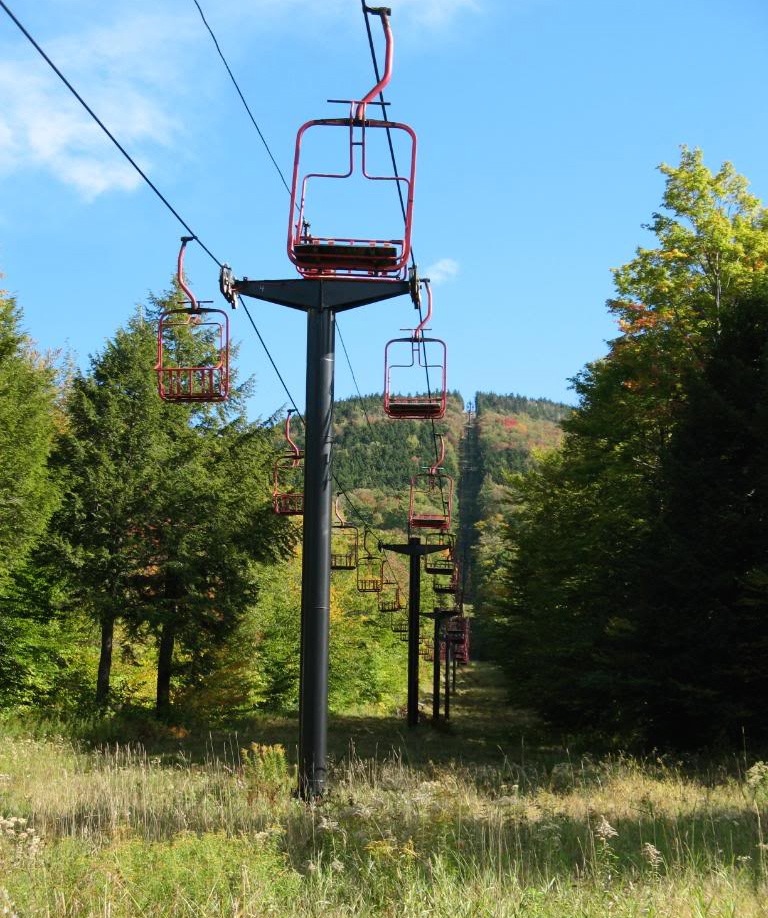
x: 120, y: 832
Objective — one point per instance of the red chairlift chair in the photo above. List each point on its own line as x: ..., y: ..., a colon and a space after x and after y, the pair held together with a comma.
x: 407, y: 366
x: 447, y: 581
x: 288, y: 478
x: 192, y: 349
x: 431, y: 498
x: 370, y: 570
x: 400, y: 626
x: 334, y: 256
x: 439, y: 562
x: 390, y: 599
x: 344, y: 543
x: 457, y: 631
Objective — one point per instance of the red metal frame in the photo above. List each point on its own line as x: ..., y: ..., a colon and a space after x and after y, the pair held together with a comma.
x: 344, y: 543
x: 424, y: 511
x: 370, y: 570
x: 207, y: 382
x: 393, y: 604
x: 384, y: 259
x: 407, y: 357
x: 458, y: 633
x: 447, y: 581
x: 439, y: 563
x: 287, y: 499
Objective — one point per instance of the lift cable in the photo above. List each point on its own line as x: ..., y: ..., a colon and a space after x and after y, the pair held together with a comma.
x: 354, y: 380
x: 282, y: 179
x: 106, y: 130
x: 140, y: 171
x: 399, y: 189
x: 242, y: 97
x: 154, y: 188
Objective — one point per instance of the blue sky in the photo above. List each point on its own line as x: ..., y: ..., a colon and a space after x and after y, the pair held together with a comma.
x: 540, y: 123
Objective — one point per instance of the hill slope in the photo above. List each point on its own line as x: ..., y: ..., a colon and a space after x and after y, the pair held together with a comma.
x: 375, y: 458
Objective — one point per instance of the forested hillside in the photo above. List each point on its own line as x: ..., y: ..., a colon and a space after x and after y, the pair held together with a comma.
x: 614, y: 551
x: 503, y: 435
x: 631, y: 595
x: 375, y: 456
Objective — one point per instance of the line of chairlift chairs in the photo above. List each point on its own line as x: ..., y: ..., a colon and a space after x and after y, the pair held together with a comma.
x: 193, y: 351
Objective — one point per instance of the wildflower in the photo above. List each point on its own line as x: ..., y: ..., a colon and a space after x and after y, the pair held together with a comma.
x: 605, y: 830
x: 652, y: 854
x: 337, y: 866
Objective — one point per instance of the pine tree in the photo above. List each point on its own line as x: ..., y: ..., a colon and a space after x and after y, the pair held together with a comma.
x: 27, y: 427
x: 165, y: 509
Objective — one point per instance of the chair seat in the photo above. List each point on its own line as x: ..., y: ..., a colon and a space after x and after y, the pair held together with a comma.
x: 331, y: 256
x: 415, y: 407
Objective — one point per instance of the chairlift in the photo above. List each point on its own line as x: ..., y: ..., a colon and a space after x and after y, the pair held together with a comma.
x: 390, y: 599
x: 440, y: 562
x: 192, y: 348
x: 288, y: 477
x: 447, y: 581
x: 338, y: 256
x: 400, y: 626
x: 457, y: 632
x: 370, y: 570
x: 407, y: 366
x: 431, y: 497
x: 344, y: 543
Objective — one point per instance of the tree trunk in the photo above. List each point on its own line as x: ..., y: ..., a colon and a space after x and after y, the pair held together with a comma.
x: 164, y: 667
x: 105, y: 660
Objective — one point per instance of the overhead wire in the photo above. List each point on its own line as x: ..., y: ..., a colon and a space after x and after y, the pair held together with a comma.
x: 164, y: 200
x: 106, y: 130
x: 242, y: 97
x: 376, y: 72
x: 356, y: 511
x: 145, y: 178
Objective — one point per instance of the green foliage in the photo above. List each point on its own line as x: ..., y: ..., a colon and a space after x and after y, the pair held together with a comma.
x: 376, y: 452
x: 43, y: 652
x: 266, y: 772
x: 27, y: 427
x: 165, y: 511
x: 508, y: 433
x: 28, y: 495
x: 633, y: 550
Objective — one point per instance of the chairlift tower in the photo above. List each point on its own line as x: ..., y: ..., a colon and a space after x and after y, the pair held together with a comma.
x: 321, y: 300
x: 338, y: 272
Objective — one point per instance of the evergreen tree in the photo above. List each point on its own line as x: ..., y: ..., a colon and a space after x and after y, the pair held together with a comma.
x: 704, y: 608
x: 585, y: 575
x: 165, y: 509
x: 28, y: 496
x: 27, y: 427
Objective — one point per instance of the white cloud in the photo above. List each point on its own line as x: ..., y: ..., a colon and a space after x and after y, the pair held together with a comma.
x: 119, y: 70
x: 131, y: 61
x: 443, y: 270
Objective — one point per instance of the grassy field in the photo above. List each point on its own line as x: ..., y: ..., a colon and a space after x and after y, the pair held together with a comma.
x: 475, y: 819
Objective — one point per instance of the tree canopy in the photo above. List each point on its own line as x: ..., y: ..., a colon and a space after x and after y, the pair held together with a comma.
x: 610, y: 537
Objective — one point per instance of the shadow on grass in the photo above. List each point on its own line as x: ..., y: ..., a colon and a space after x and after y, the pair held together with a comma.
x: 482, y: 729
